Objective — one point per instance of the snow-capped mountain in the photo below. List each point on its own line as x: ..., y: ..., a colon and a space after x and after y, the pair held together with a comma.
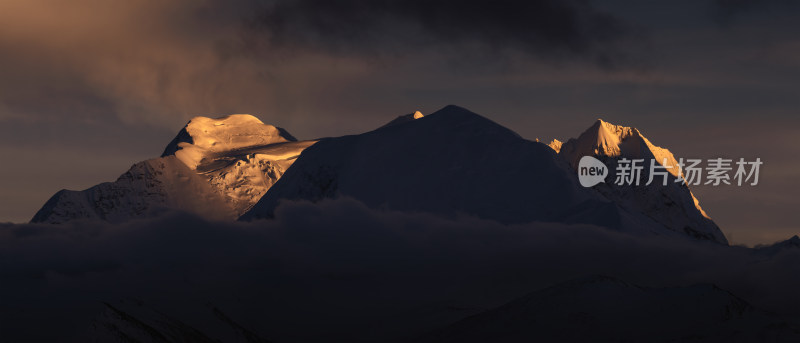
x: 605, y: 309
x: 673, y: 205
x: 215, y: 168
x: 452, y: 162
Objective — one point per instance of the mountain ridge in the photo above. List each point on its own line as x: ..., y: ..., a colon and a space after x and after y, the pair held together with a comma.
x: 451, y: 162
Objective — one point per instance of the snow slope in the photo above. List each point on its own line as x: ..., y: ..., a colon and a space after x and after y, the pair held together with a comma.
x: 673, y: 206
x: 605, y: 309
x: 146, y: 189
x: 216, y: 168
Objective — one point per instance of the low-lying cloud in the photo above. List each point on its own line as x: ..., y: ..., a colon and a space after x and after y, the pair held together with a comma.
x: 340, y: 271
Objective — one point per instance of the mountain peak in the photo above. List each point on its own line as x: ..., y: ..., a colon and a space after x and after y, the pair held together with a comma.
x: 610, y: 143
x: 230, y: 118
x: 455, y: 119
x: 456, y: 110
x: 458, y: 118
x: 405, y: 118
x: 555, y: 144
x: 203, y: 135
x: 604, y: 138
x: 599, y: 122
x: 607, y: 139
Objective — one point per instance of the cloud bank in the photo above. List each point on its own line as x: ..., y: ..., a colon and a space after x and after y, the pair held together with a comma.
x: 340, y: 271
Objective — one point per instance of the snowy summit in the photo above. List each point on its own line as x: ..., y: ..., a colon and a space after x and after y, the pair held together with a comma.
x: 215, y: 168
x: 206, y: 138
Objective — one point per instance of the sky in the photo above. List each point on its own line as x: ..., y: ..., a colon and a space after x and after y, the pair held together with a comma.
x: 89, y: 87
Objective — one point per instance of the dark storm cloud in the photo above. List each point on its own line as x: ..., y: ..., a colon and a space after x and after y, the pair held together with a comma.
x: 545, y: 28
x: 150, y: 62
x: 335, y: 269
